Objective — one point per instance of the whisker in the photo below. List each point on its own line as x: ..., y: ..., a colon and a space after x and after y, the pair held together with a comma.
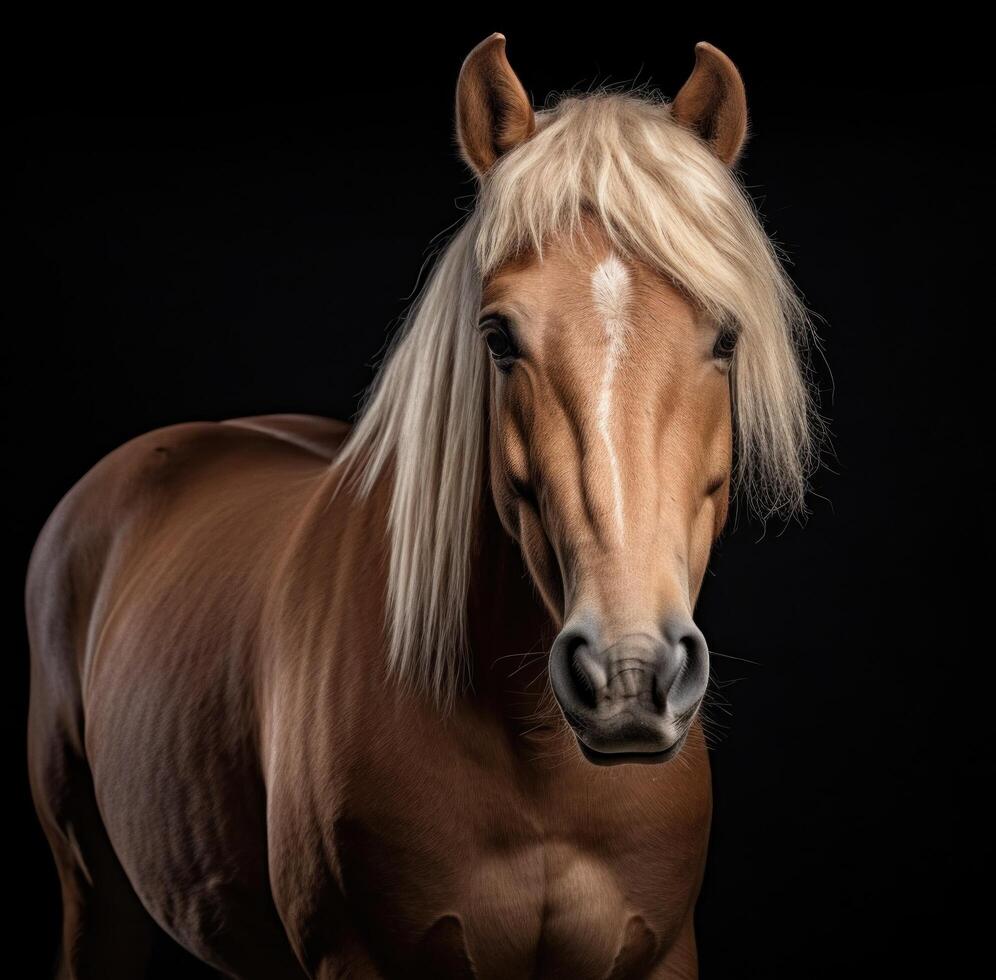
x: 509, y: 656
x: 729, y: 656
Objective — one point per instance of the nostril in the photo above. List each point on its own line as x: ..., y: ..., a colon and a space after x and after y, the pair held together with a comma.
x: 575, y: 667
x: 585, y: 672
x: 661, y: 686
x: 683, y: 672
x: 696, y: 657
x: 581, y: 681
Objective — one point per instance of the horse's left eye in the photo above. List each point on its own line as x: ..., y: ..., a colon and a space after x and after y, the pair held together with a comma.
x: 726, y: 344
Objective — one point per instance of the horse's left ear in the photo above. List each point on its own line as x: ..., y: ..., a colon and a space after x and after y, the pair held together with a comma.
x: 494, y: 114
x: 712, y: 103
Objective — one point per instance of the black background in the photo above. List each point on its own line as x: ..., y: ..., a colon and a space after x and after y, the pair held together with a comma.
x: 201, y: 226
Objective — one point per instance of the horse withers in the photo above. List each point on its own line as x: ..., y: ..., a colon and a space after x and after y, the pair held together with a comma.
x: 368, y: 702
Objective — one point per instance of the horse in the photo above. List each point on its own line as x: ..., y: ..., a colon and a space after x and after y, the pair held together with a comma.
x: 421, y: 696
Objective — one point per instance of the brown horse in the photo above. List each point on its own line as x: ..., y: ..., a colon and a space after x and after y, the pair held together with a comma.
x: 286, y: 699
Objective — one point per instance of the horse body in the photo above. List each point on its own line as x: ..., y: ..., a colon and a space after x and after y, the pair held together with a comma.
x: 289, y: 807
x: 251, y: 723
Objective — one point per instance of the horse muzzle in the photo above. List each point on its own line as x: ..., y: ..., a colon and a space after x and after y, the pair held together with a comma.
x: 633, y: 700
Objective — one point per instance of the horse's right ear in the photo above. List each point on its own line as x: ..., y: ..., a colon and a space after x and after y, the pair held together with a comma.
x: 493, y: 111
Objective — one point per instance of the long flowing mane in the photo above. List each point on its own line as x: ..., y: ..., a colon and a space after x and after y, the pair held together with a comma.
x: 662, y: 197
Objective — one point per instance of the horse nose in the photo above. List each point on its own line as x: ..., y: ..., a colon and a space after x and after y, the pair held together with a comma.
x: 634, y: 697
x: 683, y: 673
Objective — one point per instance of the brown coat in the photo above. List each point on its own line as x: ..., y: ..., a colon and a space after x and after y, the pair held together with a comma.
x: 208, y: 644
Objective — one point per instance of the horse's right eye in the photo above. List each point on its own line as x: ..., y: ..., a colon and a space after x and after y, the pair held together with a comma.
x: 499, y: 344
x: 499, y: 341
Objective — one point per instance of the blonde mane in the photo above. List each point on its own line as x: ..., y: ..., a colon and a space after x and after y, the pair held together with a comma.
x: 664, y: 198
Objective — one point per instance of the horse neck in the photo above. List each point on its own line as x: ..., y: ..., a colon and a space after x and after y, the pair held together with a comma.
x: 509, y: 629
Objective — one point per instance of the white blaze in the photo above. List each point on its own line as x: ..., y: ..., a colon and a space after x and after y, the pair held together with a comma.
x: 610, y: 287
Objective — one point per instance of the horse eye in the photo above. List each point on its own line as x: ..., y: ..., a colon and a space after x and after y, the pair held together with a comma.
x: 500, y: 344
x: 726, y: 344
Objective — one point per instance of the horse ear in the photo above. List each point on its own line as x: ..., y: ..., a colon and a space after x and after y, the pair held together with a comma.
x: 712, y: 103
x: 493, y: 111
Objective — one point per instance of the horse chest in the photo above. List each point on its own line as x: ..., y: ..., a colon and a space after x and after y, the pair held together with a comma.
x: 473, y: 865
x: 547, y: 908
x: 539, y: 908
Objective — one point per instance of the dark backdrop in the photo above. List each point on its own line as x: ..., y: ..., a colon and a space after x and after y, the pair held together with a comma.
x: 200, y: 227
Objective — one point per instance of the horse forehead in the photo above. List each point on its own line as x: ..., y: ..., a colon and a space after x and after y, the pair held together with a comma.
x: 613, y: 307
x: 579, y: 297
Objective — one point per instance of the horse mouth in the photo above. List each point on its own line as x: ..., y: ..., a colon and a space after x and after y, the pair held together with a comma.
x: 622, y: 758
